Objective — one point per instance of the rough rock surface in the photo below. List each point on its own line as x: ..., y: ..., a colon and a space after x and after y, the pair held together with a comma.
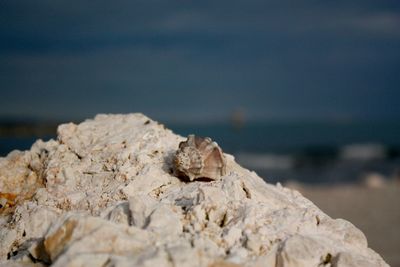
x: 103, y: 194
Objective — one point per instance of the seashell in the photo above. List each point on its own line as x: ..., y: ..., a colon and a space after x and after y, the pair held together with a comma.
x: 199, y: 157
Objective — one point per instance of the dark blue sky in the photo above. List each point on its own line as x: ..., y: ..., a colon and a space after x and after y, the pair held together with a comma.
x: 179, y: 60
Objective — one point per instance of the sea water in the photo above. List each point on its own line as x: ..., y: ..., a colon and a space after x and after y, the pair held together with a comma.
x: 312, y: 152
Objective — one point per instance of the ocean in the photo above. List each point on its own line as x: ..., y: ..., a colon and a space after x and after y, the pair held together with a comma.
x: 318, y: 152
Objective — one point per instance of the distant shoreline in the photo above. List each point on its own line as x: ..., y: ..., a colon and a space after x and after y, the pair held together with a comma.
x: 28, y: 129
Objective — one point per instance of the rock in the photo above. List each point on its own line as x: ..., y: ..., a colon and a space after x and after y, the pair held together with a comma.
x: 302, y: 251
x: 104, y: 194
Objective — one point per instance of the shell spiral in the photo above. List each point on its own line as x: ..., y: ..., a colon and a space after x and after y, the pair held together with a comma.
x: 199, y: 157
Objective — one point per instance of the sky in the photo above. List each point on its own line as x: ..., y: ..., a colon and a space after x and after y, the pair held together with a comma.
x: 201, y: 60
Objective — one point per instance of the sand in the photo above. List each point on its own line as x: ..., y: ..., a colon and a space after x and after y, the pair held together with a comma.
x: 375, y: 211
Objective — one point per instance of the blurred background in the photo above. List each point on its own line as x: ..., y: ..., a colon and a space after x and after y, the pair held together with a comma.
x: 305, y: 93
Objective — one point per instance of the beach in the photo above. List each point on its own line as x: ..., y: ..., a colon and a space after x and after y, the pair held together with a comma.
x: 333, y: 175
x: 114, y: 184
x: 374, y: 211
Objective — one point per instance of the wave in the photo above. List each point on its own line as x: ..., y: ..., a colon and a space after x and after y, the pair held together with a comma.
x: 363, y: 152
x: 265, y: 161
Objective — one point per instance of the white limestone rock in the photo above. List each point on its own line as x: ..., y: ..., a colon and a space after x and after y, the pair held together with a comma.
x: 104, y: 194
